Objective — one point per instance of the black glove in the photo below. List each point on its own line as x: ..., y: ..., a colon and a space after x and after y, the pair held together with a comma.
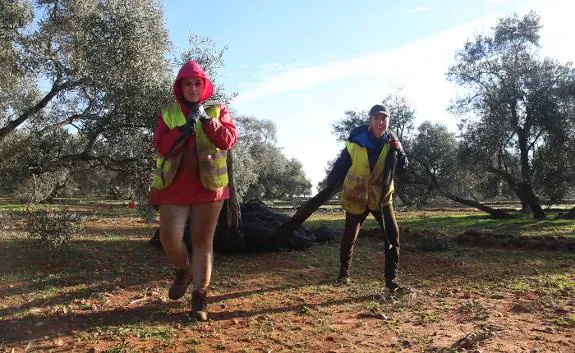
x: 189, y: 128
x: 196, y: 113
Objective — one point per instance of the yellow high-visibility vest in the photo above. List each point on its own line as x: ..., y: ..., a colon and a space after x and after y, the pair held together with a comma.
x: 212, y: 160
x: 362, y: 188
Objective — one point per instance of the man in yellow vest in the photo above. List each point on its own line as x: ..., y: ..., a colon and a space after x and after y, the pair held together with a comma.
x: 360, y: 167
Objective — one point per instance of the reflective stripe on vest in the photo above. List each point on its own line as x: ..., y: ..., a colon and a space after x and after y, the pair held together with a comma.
x: 212, y: 160
x: 362, y: 188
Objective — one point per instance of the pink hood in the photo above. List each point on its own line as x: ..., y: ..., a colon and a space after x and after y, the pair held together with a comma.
x: 193, y: 69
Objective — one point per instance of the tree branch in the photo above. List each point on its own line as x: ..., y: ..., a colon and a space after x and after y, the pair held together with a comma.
x: 68, y: 121
x: 56, y: 88
x: 500, y: 157
x: 110, y: 163
x: 504, y: 174
x: 492, y: 211
x: 535, y: 140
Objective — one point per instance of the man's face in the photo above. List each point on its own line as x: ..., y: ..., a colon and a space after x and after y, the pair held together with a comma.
x: 379, y: 123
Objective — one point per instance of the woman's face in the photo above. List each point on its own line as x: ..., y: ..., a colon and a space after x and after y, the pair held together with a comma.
x: 379, y: 123
x: 192, y: 88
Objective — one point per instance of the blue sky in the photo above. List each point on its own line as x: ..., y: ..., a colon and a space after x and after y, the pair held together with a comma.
x: 302, y: 63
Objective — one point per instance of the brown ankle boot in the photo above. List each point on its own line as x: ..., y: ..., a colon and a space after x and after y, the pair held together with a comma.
x: 180, y: 284
x: 200, y: 305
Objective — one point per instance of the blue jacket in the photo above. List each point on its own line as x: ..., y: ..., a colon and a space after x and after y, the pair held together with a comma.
x: 364, y: 138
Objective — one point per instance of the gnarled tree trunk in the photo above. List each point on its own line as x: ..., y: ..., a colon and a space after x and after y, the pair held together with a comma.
x: 527, y: 194
x: 495, y: 213
x: 229, y: 236
x: 286, y: 230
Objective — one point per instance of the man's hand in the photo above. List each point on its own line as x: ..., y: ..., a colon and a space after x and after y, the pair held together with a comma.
x: 394, y: 143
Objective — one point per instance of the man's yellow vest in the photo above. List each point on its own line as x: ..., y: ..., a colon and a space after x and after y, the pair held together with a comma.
x: 212, y: 160
x: 362, y: 188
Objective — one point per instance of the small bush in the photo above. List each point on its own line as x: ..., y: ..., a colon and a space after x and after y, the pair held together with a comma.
x: 40, y: 188
x: 53, y: 229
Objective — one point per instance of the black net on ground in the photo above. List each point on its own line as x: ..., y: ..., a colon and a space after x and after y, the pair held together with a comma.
x: 259, y: 232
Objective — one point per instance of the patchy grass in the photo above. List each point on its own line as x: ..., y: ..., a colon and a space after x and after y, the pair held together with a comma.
x: 568, y: 321
x: 93, y: 208
x: 335, y: 220
x: 109, y: 292
x: 12, y: 206
x: 140, y: 330
x: 459, y: 222
x: 452, y: 223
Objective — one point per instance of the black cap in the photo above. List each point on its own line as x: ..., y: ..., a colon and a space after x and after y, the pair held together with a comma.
x: 378, y: 108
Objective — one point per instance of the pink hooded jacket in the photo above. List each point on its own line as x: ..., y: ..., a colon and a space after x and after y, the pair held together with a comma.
x: 187, y: 188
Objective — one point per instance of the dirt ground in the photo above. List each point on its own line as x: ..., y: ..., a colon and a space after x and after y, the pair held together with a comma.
x: 108, y: 293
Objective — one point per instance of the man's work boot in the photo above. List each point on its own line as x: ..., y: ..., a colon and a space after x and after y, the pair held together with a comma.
x: 180, y: 284
x: 391, y: 265
x: 343, y: 277
x: 200, y: 305
x: 393, y: 286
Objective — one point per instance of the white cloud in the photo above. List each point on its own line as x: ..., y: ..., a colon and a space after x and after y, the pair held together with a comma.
x: 319, y: 94
x: 422, y: 62
x: 421, y: 57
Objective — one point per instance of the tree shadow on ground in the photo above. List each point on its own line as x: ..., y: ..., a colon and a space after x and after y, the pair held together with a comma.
x: 33, y: 327
x: 93, y: 267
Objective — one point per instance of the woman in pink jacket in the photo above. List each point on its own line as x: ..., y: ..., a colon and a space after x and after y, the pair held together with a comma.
x: 190, y: 190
